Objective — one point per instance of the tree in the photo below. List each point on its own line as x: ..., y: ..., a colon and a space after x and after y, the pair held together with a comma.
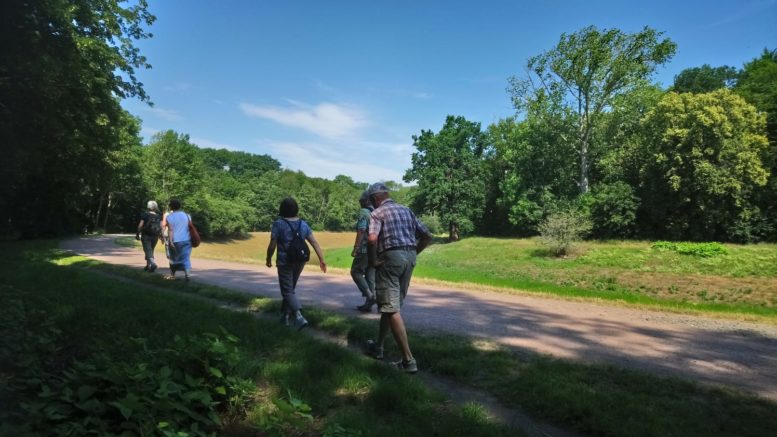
x: 64, y: 66
x: 173, y: 168
x: 584, y: 73
x: 448, y: 167
x: 704, y: 79
x: 532, y: 169
x: 703, y: 158
x: 758, y: 85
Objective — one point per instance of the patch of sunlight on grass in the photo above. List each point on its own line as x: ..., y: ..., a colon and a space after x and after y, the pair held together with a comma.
x: 485, y: 346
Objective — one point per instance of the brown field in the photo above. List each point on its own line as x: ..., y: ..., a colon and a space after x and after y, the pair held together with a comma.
x: 253, y: 249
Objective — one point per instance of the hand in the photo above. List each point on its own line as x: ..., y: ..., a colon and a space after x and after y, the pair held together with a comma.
x: 269, y: 262
x: 322, y: 266
x: 137, y: 236
x: 355, y: 252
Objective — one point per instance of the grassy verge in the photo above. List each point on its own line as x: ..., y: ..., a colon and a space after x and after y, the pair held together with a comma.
x: 599, y: 400
x: 741, y: 281
x: 84, y: 353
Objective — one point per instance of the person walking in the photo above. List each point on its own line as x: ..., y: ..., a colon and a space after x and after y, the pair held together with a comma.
x: 149, y: 233
x: 178, y: 239
x: 288, y: 235
x: 396, y: 236
x: 362, y: 272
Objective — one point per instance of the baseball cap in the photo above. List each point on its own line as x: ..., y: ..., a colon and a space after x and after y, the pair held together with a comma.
x: 377, y: 187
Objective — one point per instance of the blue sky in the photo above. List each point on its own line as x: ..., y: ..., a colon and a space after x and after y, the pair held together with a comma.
x: 340, y: 87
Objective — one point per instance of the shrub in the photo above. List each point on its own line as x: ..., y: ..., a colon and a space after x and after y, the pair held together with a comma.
x: 704, y: 250
x: 432, y: 221
x: 560, y: 230
x: 613, y: 209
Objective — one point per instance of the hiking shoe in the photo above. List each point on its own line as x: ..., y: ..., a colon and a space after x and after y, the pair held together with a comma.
x: 366, y: 307
x: 285, y: 320
x: 300, y: 323
x: 374, y: 350
x: 408, y: 366
x: 145, y: 269
x: 152, y: 268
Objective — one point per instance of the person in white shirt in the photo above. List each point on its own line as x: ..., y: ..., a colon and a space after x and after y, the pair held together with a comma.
x: 179, y: 240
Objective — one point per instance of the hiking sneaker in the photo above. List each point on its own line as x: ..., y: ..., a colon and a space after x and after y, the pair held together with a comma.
x: 408, y: 366
x: 366, y: 307
x: 152, y: 268
x: 300, y: 323
x: 374, y: 350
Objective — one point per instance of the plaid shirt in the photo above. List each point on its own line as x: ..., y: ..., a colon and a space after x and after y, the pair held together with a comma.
x: 395, y: 225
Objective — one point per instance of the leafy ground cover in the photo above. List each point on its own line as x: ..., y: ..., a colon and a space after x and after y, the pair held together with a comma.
x: 296, y: 377
x: 737, y: 278
x: 82, y: 353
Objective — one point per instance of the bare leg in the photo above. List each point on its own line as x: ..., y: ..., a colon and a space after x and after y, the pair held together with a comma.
x: 400, y: 334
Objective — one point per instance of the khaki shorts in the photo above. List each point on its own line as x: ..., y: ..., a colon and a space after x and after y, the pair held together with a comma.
x: 392, y: 279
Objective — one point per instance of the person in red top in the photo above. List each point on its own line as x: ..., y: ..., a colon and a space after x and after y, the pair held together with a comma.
x: 396, y: 236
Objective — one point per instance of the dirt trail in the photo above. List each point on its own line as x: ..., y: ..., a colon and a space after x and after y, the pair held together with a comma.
x: 713, y: 351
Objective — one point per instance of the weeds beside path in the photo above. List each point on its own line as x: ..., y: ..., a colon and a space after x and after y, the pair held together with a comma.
x: 724, y: 352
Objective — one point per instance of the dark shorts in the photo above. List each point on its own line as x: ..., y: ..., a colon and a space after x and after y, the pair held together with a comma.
x: 392, y: 279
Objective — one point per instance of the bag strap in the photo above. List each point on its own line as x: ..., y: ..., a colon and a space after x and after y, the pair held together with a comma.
x: 294, y: 232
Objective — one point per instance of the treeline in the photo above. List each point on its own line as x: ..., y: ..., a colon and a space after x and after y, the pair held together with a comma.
x: 230, y: 193
x: 593, y: 140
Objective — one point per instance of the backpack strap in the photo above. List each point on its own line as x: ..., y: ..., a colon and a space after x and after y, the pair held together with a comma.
x: 294, y: 232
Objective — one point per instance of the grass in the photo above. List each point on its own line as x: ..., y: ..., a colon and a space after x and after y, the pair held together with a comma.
x: 348, y: 392
x: 741, y: 281
x: 91, y: 314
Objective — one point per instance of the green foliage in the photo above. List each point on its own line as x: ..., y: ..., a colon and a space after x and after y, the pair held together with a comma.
x: 65, y: 66
x: 704, y: 158
x: 183, y: 388
x: 613, y: 209
x: 704, y: 79
x: 704, y: 250
x: 283, y: 416
x: 580, y: 78
x: 561, y: 230
x: 449, y: 169
x: 432, y: 222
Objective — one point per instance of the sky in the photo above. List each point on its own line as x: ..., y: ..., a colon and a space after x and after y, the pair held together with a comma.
x: 340, y: 87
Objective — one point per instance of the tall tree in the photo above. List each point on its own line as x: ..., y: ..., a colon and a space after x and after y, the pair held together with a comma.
x: 64, y: 66
x: 705, y: 79
x: 585, y: 72
x: 703, y: 158
x: 448, y: 167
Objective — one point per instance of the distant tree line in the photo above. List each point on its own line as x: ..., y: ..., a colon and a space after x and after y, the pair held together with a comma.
x: 591, y: 134
x: 594, y: 137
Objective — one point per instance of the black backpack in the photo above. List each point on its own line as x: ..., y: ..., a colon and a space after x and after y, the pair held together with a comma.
x: 297, y: 250
x: 152, y: 225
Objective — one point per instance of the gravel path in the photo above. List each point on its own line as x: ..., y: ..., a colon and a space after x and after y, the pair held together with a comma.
x: 709, y: 350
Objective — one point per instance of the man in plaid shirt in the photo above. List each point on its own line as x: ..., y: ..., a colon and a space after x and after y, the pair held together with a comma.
x: 396, y: 236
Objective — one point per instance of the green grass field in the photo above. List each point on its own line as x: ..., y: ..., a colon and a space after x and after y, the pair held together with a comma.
x: 742, y: 281
x: 80, y: 350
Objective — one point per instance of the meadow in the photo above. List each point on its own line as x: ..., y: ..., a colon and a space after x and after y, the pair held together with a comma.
x: 94, y: 347
x: 742, y: 280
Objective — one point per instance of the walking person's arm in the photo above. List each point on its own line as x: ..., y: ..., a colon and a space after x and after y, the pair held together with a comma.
x: 360, y: 235
x: 140, y: 229
x: 321, y: 263
x: 270, y: 251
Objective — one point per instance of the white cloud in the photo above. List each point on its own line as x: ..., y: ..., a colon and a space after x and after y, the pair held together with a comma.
x: 327, y: 120
x: 365, y: 162
x: 165, y: 114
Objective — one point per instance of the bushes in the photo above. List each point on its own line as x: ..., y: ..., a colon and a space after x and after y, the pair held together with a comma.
x: 613, y: 210
x: 704, y: 250
x: 562, y: 229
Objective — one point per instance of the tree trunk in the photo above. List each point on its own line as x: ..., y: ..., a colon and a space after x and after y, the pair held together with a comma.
x: 453, y: 232
x: 108, y: 212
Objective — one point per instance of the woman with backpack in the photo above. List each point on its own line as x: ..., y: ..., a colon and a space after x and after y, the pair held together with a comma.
x: 179, y: 239
x: 149, y: 232
x: 288, y: 234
